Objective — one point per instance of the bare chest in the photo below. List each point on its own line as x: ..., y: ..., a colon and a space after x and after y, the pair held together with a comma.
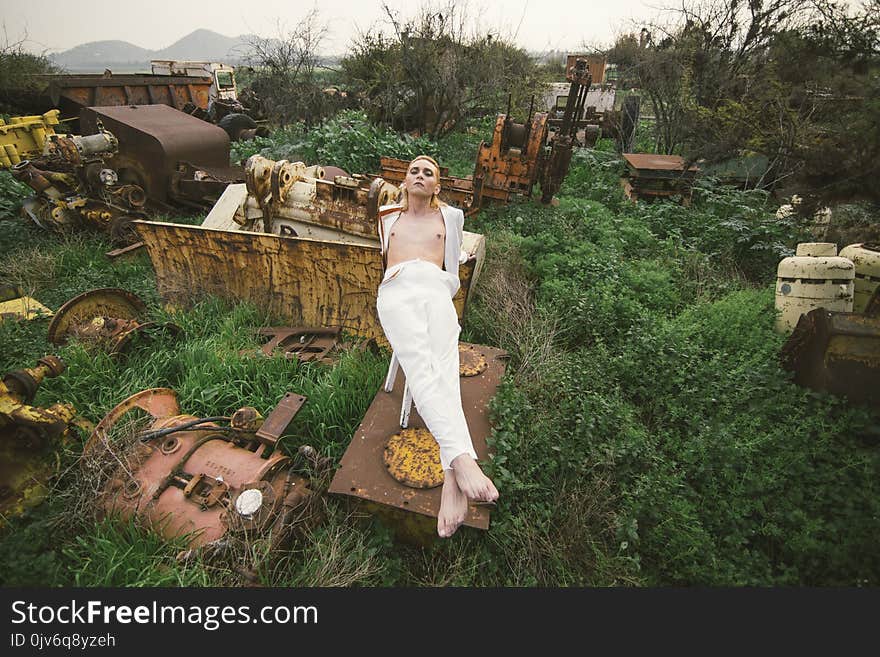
x: 424, y: 234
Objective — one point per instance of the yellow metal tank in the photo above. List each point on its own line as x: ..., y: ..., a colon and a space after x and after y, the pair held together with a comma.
x: 866, y: 258
x: 813, y: 278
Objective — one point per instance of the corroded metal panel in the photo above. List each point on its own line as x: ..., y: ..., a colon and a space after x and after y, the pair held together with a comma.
x: 837, y: 353
x: 363, y: 472
x: 300, y: 280
x: 74, y: 92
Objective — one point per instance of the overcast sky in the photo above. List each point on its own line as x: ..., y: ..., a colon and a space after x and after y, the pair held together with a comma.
x: 154, y: 24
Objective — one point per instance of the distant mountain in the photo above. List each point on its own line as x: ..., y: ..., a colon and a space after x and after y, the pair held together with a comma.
x: 205, y: 45
x: 121, y: 56
x: 97, y: 53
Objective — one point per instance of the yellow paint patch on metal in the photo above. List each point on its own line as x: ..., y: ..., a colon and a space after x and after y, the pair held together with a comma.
x: 470, y: 361
x: 23, y: 137
x: 302, y: 281
x: 23, y: 308
x: 412, y: 457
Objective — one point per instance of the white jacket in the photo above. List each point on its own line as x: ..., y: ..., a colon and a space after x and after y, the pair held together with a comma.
x: 454, y: 220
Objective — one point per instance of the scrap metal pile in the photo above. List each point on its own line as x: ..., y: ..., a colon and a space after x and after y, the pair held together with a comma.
x: 75, y: 187
x: 136, y: 159
x: 204, y: 90
x: 302, y: 247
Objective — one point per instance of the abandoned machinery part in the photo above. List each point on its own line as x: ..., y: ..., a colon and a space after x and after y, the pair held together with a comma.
x: 288, y: 197
x: 519, y: 155
x: 505, y: 168
x: 189, y: 476
x: 181, y: 162
x: 22, y: 137
x: 836, y: 352
x: 307, y: 344
x: 649, y: 176
x: 108, y: 317
x: 32, y: 426
x: 75, y: 187
x: 27, y: 435
x: 554, y: 167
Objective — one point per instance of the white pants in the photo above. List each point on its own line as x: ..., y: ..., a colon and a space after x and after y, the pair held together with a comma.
x: 420, y: 322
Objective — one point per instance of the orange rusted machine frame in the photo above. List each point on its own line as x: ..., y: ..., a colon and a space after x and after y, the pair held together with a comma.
x: 511, y: 163
x: 506, y: 167
x: 206, y: 481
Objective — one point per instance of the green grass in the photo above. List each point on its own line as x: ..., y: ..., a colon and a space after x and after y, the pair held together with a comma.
x: 644, y: 434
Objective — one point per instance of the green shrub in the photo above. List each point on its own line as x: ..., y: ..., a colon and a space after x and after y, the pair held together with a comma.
x: 347, y: 140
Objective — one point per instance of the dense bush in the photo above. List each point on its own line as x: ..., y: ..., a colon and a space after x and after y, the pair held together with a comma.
x: 433, y: 71
x: 346, y: 140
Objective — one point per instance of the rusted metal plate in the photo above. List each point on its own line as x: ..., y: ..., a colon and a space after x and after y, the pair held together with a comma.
x: 837, y: 353
x: 71, y: 93
x: 280, y: 418
x: 301, y: 342
x: 304, y: 281
x: 651, y: 162
x: 362, y: 473
x: 307, y: 344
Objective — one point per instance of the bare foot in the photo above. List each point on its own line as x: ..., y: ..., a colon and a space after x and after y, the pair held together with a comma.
x: 453, y: 506
x: 472, y: 481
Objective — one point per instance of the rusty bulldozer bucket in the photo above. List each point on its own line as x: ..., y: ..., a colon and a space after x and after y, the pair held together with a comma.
x: 837, y: 353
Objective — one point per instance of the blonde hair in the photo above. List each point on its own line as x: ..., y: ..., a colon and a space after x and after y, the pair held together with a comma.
x: 435, y: 199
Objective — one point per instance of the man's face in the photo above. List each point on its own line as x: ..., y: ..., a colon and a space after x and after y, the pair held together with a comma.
x: 422, y: 179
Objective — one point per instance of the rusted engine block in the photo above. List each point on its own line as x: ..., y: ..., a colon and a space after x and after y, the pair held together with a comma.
x: 76, y: 188
x: 193, y: 477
